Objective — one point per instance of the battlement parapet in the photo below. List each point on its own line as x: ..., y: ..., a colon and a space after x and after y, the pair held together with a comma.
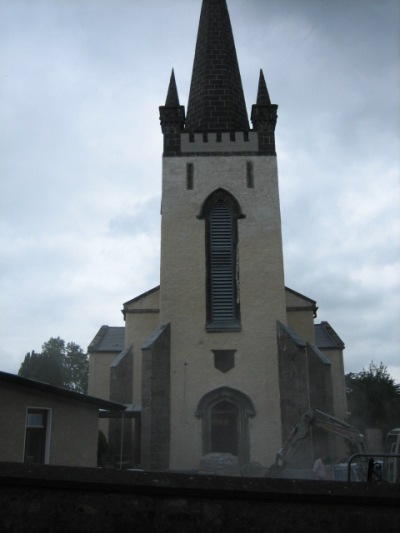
x: 238, y: 141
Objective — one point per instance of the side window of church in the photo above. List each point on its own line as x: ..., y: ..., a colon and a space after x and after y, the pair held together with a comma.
x: 222, y: 278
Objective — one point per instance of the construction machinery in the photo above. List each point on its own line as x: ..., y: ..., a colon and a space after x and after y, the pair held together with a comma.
x: 302, y: 430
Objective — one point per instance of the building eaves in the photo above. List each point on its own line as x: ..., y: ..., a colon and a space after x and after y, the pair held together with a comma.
x: 137, y: 298
x: 302, y: 296
x: 46, y: 388
x: 312, y: 303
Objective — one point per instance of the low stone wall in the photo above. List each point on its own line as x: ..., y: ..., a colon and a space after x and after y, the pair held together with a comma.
x: 61, y: 499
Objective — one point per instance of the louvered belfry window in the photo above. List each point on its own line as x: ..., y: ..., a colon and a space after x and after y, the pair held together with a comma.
x: 222, y: 264
x: 221, y: 211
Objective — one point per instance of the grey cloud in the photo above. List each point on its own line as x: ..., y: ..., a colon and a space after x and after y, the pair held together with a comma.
x: 145, y: 219
x: 81, y: 157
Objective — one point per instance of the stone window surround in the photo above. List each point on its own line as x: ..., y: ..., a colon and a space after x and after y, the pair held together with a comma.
x: 246, y: 411
x: 226, y: 197
x: 46, y: 427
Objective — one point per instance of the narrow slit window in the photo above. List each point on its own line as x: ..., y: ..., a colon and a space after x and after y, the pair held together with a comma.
x: 250, y: 175
x: 189, y: 176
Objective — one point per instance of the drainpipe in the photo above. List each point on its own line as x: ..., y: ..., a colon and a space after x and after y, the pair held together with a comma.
x: 309, y: 399
x: 122, y: 440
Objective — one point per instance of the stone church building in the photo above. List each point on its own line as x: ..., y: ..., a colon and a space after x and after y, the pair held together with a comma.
x: 221, y: 356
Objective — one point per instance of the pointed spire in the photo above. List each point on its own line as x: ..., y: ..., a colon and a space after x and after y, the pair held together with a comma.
x: 172, y: 119
x: 262, y: 94
x: 216, y: 100
x: 172, y: 95
x: 263, y: 117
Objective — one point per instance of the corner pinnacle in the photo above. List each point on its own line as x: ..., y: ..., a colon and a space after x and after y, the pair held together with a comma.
x: 172, y: 95
x: 262, y: 94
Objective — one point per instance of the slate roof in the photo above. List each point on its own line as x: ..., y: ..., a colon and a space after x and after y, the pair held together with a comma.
x: 216, y: 98
x: 326, y: 337
x: 172, y: 95
x: 39, y: 386
x: 108, y: 339
x: 263, y: 98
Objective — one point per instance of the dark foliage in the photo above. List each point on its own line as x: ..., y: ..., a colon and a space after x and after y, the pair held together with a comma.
x: 373, y: 398
x: 60, y: 364
x: 41, y: 367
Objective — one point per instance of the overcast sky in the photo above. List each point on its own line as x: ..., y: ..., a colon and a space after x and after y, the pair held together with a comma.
x: 80, y: 165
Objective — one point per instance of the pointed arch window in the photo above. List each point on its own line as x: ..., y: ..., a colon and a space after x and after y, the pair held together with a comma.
x: 221, y: 212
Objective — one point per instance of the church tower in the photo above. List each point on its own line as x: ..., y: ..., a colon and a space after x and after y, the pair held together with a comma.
x: 222, y: 282
x: 221, y: 357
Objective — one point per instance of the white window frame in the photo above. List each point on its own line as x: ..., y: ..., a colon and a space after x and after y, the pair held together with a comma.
x: 49, y: 413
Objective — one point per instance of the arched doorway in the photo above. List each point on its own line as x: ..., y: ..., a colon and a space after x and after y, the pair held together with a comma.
x: 225, y: 414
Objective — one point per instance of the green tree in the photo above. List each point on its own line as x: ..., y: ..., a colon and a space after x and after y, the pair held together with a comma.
x: 76, y: 367
x: 40, y: 367
x: 60, y: 364
x: 373, y: 398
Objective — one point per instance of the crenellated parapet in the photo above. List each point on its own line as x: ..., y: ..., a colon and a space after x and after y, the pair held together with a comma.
x: 220, y: 142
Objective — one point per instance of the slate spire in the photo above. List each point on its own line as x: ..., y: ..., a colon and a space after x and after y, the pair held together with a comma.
x: 172, y: 119
x: 264, y: 116
x: 216, y: 99
x: 172, y: 95
x: 262, y: 94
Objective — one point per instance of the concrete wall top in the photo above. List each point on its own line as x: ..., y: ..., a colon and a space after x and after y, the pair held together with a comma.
x: 99, y: 501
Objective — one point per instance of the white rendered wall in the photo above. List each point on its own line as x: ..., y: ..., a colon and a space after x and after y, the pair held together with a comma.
x: 183, y: 299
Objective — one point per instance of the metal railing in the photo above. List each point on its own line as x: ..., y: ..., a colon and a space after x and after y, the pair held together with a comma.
x: 373, y: 469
